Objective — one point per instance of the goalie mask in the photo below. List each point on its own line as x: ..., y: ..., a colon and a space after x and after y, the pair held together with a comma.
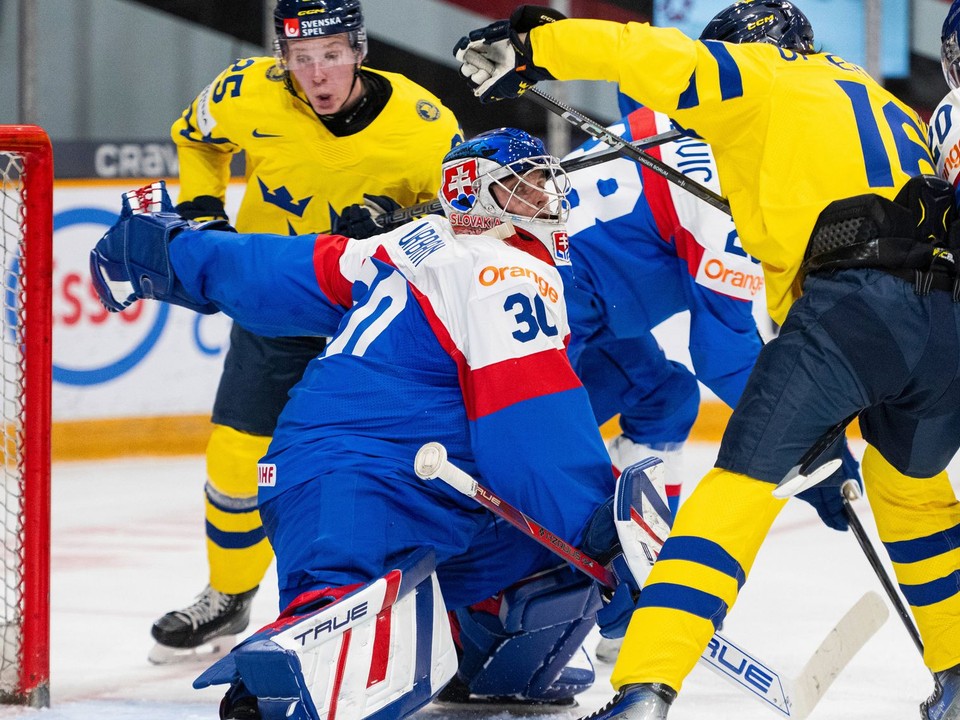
x: 507, y: 176
x: 776, y: 22
x: 950, y: 46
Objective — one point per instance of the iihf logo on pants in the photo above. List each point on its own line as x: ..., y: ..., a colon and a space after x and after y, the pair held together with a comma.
x: 266, y: 475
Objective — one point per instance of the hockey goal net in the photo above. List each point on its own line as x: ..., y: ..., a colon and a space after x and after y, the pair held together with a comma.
x: 26, y: 230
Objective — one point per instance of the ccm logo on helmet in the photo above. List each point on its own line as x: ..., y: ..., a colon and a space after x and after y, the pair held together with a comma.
x: 758, y: 23
x: 491, y: 275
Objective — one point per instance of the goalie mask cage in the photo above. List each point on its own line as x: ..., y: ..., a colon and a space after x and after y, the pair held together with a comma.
x: 26, y: 231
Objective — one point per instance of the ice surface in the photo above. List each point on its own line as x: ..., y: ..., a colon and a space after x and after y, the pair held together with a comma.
x: 128, y: 546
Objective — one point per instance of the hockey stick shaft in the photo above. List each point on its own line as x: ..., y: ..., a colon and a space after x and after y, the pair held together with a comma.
x: 598, y: 131
x: 736, y: 665
x: 433, y: 207
x: 432, y: 463
x: 601, y: 157
x: 874, y: 559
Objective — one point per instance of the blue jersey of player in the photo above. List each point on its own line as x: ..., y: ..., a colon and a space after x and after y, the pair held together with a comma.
x: 643, y: 250
x: 455, y: 339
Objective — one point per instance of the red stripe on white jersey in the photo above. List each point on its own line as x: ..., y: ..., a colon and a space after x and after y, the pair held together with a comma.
x: 327, y: 251
x: 505, y: 383
x: 656, y: 188
x: 514, y: 380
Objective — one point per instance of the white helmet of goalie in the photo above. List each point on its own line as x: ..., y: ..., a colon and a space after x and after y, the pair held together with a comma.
x: 506, y: 176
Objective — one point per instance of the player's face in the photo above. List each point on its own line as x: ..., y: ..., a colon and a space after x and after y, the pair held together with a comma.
x: 523, y: 195
x: 324, y: 68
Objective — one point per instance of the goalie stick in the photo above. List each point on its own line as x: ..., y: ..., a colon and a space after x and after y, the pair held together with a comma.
x: 433, y: 207
x: 792, y: 698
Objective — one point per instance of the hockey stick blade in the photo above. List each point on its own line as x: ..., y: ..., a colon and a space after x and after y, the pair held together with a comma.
x: 844, y: 640
x: 751, y: 675
x: 803, y: 475
x: 796, y: 482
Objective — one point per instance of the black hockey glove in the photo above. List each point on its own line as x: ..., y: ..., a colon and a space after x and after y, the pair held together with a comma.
x: 131, y: 261
x: 496, y: 62
x: 202, y: 208
x: 827, y: 496
x: 363, y: 221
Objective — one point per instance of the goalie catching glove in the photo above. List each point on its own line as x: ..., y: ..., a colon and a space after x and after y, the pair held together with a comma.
x: 132, y: 261
x: 497, y: 62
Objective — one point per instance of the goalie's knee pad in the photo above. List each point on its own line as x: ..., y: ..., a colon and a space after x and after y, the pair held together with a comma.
x: 522, y: 652
x: 383, y: 649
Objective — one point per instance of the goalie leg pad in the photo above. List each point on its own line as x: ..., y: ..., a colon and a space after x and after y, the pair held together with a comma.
x: 641, y: 515
x: 626, y: 534
x: 382, y: 650
x: 523, y: 651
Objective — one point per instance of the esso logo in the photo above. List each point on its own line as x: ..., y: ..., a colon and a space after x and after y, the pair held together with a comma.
x: 92, y: 345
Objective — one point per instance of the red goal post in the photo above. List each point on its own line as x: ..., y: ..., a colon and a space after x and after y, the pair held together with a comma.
x: 26, y: 235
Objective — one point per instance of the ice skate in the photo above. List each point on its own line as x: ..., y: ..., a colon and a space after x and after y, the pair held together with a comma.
x: 205, y: 630
x: 944, y: 704
x: 640, y: 701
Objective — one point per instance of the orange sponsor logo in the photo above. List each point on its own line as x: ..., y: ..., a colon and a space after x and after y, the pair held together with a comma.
x: 491, y: 275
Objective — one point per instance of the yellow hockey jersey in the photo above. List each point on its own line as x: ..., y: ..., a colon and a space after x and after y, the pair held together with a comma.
x: 298, y: 173
x: 791, y: 133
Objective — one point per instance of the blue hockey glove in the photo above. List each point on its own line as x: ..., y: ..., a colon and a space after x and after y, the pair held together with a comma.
x: 131, y: 261
x: 827, y: 496
x: 363, y: 221
x: 614, y: 616
x: 496, y: 62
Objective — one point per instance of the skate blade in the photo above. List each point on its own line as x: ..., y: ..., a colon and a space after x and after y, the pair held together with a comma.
x: 206, y: 653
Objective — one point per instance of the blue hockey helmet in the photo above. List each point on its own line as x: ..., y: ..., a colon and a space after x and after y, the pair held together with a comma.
x: 950, y: 46
x: 507, y: 175
x: 776, y: 22
x: 305, y: 19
